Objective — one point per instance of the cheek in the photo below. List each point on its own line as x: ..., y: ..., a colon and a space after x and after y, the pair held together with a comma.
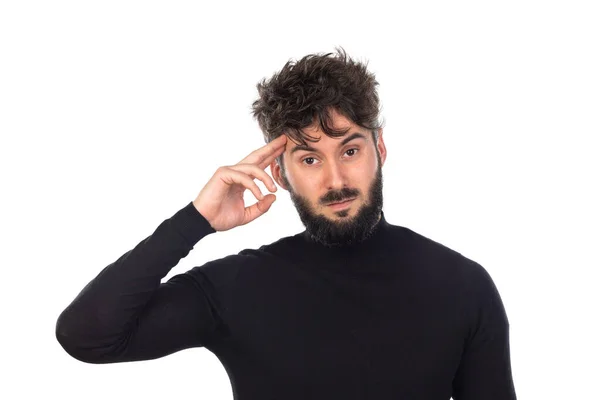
x: 301, y: 183
x: 363, y: 179
x: 308, y: 187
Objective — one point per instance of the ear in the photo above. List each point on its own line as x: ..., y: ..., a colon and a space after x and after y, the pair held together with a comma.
x: 381, y: 147
x: 276, y: 174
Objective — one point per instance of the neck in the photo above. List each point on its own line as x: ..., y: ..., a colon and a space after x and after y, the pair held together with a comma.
x: 374, y: 244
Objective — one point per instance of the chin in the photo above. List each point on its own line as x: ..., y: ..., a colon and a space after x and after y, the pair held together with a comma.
x: 341, y: 214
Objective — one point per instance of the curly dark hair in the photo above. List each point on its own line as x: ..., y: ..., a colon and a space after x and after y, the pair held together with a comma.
x: 304, y: 91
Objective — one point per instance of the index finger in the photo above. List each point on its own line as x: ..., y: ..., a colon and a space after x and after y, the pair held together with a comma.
x: 263, y: 156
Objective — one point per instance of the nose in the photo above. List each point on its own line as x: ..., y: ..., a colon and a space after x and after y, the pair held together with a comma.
x: 335, y: 176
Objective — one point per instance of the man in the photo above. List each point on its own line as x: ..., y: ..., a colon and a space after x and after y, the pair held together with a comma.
x: 353, y: 307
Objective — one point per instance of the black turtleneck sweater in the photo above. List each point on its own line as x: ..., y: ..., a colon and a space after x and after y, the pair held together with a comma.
x: 398, y: 316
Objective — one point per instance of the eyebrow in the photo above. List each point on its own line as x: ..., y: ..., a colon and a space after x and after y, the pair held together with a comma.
x: 346, y: 140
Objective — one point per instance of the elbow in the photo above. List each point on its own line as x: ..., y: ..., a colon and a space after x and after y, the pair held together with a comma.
x: 75, y: 344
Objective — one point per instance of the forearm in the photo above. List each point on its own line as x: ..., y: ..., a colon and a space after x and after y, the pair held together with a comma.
x: 102, y: 316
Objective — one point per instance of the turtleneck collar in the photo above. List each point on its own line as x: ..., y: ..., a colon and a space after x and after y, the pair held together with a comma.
x: 344, y: 255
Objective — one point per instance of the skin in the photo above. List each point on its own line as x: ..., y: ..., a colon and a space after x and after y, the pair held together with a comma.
x: 332, y: 173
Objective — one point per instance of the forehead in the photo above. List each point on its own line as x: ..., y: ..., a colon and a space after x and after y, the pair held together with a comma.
x: 337, y: 142
x: 338, y: 121
x: 314, y: 131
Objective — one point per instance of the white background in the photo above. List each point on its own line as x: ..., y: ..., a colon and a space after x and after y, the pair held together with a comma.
x: 114, y: 114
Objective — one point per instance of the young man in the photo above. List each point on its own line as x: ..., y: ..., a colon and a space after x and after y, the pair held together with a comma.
x: 353, y: 307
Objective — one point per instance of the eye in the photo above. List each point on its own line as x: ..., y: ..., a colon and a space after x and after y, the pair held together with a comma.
x: 308, y: 158
x: 354, y: 149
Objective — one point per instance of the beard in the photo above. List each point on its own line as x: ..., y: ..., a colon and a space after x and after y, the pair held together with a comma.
x: 346, y: 231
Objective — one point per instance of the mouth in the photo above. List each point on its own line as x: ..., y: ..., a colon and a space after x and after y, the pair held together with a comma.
x: 342, y: 204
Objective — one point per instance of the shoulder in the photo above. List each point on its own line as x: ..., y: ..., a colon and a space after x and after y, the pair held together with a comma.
x: 470, y: 282
x: 427, y: 252
x: 280, y: 248
x: 469, y: 276
x: 423, y: 248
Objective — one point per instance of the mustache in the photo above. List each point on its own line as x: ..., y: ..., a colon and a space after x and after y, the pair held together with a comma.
x: 339, y: 196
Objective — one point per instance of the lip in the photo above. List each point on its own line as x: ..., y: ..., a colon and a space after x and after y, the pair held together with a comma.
x: 337, y: 206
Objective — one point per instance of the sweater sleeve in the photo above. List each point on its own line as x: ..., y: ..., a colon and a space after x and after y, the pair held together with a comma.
x: 485, y: 368
x: 126, y: 314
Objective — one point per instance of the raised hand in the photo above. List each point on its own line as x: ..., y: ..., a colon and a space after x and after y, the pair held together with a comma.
x: 221, y: 200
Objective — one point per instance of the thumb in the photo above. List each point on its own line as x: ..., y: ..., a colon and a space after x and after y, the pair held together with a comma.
x: 259, y: 208
x: 264, y: 205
